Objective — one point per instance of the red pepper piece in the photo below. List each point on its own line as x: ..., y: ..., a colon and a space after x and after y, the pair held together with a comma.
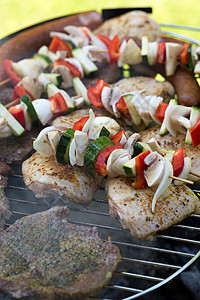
x: 178, y: 161
x: 105, y: 39
x: 113, y: 49
x: 140, y: 181
x: 19, y: 91
x: 18, y: 114
x: 73, y: 69
x: 94, y: 93
x: 117, y: 137
x: 195, y: 134
x: 58, y: 44
x: 100, y: 165
x: 122, y: 107
x: 160, y: 111
x: 58, y: 104
x: 161, y: 53
x: 80, y: 123
x: 184, y: 54
x: 10, y: 72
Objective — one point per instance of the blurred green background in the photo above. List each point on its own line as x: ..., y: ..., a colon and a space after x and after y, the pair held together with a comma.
x: 17, y: 14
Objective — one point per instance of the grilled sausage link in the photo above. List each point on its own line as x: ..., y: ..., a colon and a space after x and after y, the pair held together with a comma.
x: 26, y: 43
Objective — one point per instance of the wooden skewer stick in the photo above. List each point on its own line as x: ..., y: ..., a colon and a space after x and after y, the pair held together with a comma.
x: 12, y: 103
x: 5, y: 81
x: 193, y: 173
x: 99, y: 50
x: 77, y: 96
x: 181, y: 179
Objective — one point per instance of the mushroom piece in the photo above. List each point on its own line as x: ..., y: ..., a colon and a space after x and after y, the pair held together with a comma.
x: 81, y: 143
x: 32, y: 86
x: 77, y: 35
x: 153, y: 144
x: 129, y: 145
x: 53, y: 138
x: 154, y: 172
x: 95, y: 55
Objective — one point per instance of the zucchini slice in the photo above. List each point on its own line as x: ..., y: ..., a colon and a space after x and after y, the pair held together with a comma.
x: 62, y: 152
x: 130, y: 168
x: 30, y: 109
x: 104, y: 132
x: 93, y: 150
x: 14, y: 125
x: 87, y: 64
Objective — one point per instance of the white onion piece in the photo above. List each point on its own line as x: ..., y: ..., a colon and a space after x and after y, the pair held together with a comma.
x: 115, y: 162
x: 79, y: 102
x: 152, y: 53
x: 123, y: 140
x: 153, y: 105
x: 81, y: 143
x: 116, y: 94
x: 106, y: 98
x: 33, y: 87
x: 41, y: 143
x: 72, y: 152
x: 97, y: 125
x: 121, y: 50
x: 95, y: 40
x: 66, y: 75
x: 64, y: 36
x: 185, y: 171
x: 77, y: 35
x: 43, y: 110
x: 44, y: 50
x: 184, y: 122
x: 87, y: 125
x: 164, y: 183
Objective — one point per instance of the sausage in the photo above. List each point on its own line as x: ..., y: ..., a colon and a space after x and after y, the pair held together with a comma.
x: 26, y: 43
x: 186, y: 86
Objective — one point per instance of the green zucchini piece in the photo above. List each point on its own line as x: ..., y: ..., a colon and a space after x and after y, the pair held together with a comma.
x: 194, y: 118
x: 62, y: 153
x: 80, y: 89
x: 87, y: 64
x: 14, y: 125
x: 104, y: 132
x: 44, y: 60
x: 129, y: 168
x: 144, y: 50
x: 132, y: 110
x: 140, y: 147
x: 192, y: 56
x: 93, y: 150
x: 30, y: 109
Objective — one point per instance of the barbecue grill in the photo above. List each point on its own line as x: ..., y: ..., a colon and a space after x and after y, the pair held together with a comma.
x: 145, y: 265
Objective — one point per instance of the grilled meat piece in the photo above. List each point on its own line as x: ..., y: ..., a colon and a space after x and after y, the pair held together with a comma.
x: 148, y: 86
x: 4, y: 203
x: 135, y: 24
x: 44, y: 176
x: 16, y: 148
x: 132, y: 207
x: 5, y: 169
x: 46, y: 257
x: 169, y: 142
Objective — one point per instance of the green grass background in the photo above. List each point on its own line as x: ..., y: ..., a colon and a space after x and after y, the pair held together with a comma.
x: 17, y: 14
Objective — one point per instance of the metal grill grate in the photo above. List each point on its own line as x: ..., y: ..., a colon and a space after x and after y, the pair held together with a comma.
x: 145, y: 265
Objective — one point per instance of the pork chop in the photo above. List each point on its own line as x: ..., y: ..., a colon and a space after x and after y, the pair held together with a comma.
x: 45, y: 257
x: 133, y: 24
x: 44, y: 176
x: 169, y: 142
x: 132, y: 207
x: 4, y: 203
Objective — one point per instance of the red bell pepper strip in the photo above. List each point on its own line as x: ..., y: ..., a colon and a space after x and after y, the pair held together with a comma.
x: 105, y: 39
x: 178, y: 161
x: 18, y: 114
x: 140, y: 181
x: 84, y: 31
x: 161, y: 53
x: 58, y: 44
x: 73, y: 69
x: 113, y: 49
x: 80, y: 123
x: 94, y: 93
x: 10, y: 72
x: 184, y: 54
x: 58, y: 104
x: 195, y: 134
x: 160, y: 111
x: 118, y: 136
x: 100, y: 165
x: 19, y: 91
x: 122, y: 107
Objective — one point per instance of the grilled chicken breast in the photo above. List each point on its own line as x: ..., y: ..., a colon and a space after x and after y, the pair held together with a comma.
x: 133, y: 24
x: 132, y: 207
x: 148, y: 86
x: 45, y: 257
x: 44, y: 175
x: 169, y: 142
